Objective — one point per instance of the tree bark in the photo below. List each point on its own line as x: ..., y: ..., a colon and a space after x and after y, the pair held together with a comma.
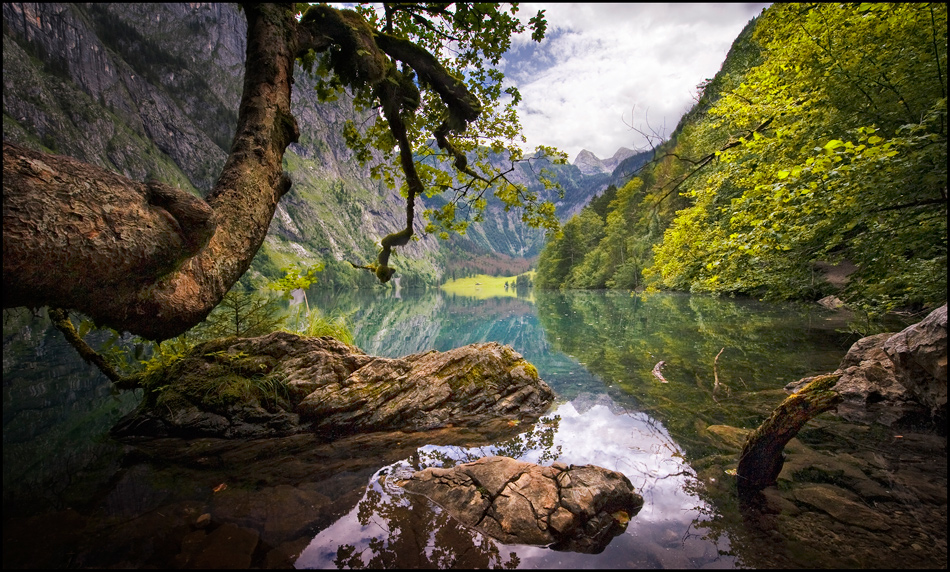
x: 761, y: 459
x: 145, y: 257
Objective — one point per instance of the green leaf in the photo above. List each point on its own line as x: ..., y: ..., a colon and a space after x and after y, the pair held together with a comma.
x: 833, y: 144
x: 84, y: 328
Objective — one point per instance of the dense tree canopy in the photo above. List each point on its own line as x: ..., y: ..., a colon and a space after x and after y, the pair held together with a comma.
x: 153, y: 260
x: 831, y: 147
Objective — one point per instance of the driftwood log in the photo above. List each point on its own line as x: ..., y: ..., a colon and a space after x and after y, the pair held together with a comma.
x: 761, y: 459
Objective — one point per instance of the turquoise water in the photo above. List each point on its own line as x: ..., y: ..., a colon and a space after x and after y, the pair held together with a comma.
x: 725, y: 362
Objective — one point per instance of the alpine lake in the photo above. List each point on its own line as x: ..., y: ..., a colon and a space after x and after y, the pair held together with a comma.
x: 851, y: 495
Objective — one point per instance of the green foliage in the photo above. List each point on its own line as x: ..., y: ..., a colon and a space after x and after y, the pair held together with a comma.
x: 247, y: 380
x: 465, y: 43
x: 827, y: 144
x: 302, y: 320
x: 314, y: 324
x: 598, y: 248
x: 523, y: 282
x: 296, y: 278
x: 852, y: 164
x: 240, y: 314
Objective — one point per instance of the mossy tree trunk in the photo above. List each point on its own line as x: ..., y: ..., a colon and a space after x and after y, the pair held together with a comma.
x: 152, y: 260
x: 761, y: 459
x: 146, y: 257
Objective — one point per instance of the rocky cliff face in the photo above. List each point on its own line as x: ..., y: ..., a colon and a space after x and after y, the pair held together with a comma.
x: 590, y: 164
x: 124, y: 87
x: 152, y: 91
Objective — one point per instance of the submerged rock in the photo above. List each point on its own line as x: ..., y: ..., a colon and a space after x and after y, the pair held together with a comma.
x: 282, y: 384
x: 571, y: 508
x: 842, y: 505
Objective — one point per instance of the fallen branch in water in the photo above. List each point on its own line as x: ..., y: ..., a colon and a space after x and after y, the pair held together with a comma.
x: 716, y: 369
x: 656, y: 371
x: 761, y: 459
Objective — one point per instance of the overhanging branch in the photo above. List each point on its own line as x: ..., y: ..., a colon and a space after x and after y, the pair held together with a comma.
x: 363, y: 61
x: 160, y: 286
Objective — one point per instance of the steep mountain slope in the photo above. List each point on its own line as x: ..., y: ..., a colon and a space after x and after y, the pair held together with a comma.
x: 502, y: 231
x: 152, y: 90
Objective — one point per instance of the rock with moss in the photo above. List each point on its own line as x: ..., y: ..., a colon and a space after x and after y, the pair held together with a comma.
x: 572, y: 508
x: 282, y: 384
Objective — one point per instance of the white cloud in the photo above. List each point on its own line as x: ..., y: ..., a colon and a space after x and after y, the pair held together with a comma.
x: 604, y: 67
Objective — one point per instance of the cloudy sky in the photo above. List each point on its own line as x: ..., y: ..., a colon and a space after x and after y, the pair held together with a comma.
x: 604, y: 67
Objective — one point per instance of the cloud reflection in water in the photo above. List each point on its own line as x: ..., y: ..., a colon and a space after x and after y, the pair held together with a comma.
x: 592, y: 430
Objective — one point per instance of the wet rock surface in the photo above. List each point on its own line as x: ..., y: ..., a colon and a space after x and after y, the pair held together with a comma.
x: 283, y: 384
x: 876, y: 492
x: 573, y: 508
x: 879, y: 476
x: 919, y: 353
x: 896, y: 379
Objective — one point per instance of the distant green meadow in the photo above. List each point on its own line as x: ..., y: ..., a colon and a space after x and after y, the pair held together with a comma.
x: 482, y: 286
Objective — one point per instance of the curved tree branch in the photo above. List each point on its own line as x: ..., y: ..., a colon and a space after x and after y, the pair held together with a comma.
x: 60, y: 319
x: 177, y: 256
x: 762, y: 459
x: 364, y: 61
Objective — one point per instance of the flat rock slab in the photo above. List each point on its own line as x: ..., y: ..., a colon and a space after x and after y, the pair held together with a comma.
x: 283, y: 384
x: 841, y: 505
x: 571, y: 508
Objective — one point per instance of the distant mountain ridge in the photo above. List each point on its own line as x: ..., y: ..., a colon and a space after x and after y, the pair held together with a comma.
x: 590, y: 164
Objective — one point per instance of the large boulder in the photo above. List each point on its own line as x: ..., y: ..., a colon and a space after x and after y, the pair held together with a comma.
x: 919, y: 353
x: 422, y: 391
x: 869, y: 386
x: 574, y: 508
x: 281, y: 384
x: 895, y: 378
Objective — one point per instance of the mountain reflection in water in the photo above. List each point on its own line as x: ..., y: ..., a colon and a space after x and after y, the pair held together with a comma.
x: 74, y: 497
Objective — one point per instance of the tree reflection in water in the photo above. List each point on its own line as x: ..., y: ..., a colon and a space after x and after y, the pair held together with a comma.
x: 394, y: 529
x: 401, y: 530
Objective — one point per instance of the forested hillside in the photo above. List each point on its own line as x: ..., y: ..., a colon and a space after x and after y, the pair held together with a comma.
x: 818, y: 152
